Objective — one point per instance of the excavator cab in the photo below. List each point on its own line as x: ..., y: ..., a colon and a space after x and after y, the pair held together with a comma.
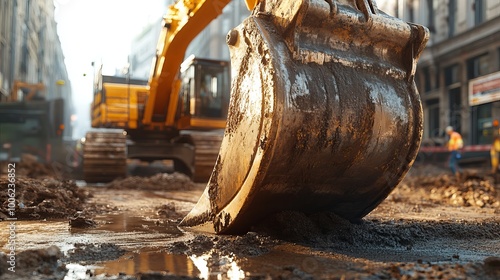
x: 204, y: 95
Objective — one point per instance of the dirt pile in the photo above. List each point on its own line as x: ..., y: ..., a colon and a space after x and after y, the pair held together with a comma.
x: 327, y: 231
x: 169, y: 211
x: 434, y: 271
x: 34, y: 265
x: 41, y: 199
x: 470, y: 191
x: 248, y: 245
x: 160, y: 182
x: 92, y: 253
x: 30, y: 167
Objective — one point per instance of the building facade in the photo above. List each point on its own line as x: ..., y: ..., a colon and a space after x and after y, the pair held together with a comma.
x: 143, y: 50
x: 458, y: 74
x: 210, y: 43
x: 30, y: 51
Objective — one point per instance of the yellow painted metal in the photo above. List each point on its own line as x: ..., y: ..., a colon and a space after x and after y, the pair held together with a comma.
x: 118, y: 106
x: 182, y: 23
x: 31, y: 87
x: 207, y: 123
x: 251, y: 3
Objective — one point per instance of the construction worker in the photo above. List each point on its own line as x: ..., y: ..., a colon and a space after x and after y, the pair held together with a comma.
x: 455, y: 144
x: 495, y: 148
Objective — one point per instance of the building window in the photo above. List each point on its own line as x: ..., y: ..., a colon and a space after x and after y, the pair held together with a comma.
x: 451, y: 75
x: 452, y: 12
x: 455, y: 106
x: 411, y: 12
x: 477, y: 66
x: 482, y: 124
x: 452, y: 83
x: 3, y: 19
x: 498, y: 55
x: 3, y: 65
x: 437, y: 77
x: 479, y: 12
x: 430, y: 16
x: 433, y: 118
x: 427, y: 79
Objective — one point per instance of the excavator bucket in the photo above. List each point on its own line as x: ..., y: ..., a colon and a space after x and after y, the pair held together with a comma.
x: 324, y: 113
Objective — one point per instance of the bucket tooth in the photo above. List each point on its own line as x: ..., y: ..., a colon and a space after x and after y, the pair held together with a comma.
x: 324, y: 113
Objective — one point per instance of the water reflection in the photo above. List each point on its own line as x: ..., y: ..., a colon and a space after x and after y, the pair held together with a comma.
x: 125, y: 222
x: 131, y: 264
x: 213, y: 266
x: 208, y: 266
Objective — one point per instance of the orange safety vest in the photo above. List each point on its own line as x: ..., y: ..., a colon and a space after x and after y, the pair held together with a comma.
x: 455, y: 142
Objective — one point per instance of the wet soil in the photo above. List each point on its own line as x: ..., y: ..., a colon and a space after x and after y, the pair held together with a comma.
x: 43, y: 198
x: 30, y: 167
x: 161, y: 181
x: 432, y: 226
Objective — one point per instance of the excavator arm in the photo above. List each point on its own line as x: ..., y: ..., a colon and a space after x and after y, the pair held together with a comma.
x: 32, y: 90
x: 182, y: 23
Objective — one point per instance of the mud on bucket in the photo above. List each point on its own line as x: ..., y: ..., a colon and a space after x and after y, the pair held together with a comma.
x: 324, y: 114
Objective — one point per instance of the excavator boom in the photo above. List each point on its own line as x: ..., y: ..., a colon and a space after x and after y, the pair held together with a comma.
x: 183, y: 21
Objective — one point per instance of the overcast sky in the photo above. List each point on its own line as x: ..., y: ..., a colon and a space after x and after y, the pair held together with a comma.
x: 99, y: 30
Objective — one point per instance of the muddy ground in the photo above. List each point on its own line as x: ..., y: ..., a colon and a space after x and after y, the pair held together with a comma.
x: 432, y: 226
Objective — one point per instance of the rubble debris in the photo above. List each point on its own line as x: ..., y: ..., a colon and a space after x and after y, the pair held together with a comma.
x: 168, y: 211
x: 92, y: 253
x: 471, y: 191
x: 492, y: 266
x: 42, y: 199
x: 30, y: 167
x: 34, y: 265
x: 327, y: 231
x: 248, y: 245
x: 82, y: 222
x: 434, y: 271
x: 159, y: 182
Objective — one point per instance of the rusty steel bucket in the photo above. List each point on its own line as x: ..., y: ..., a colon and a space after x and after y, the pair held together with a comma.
x: 324, y: 113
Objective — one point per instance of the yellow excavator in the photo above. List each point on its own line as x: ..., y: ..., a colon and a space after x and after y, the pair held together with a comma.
x: 324, y: 114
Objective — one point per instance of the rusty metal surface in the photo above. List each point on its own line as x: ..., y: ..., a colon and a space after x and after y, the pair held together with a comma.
x: 324, y: 113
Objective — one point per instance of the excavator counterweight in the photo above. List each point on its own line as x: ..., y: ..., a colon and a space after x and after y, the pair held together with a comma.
x: 324, y: 113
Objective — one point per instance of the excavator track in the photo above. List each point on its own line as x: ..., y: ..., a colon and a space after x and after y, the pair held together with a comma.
x: 207, y: 146
x: 104, y: 155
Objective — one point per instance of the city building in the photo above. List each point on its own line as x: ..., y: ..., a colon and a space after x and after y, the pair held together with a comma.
x: 458, y: 74
x: 30, y: 52
x: 143, y: 50
x: 210, y: 43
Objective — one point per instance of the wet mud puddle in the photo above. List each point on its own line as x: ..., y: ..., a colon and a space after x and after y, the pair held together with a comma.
x: 136, y: 233
x: 125, y: 244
